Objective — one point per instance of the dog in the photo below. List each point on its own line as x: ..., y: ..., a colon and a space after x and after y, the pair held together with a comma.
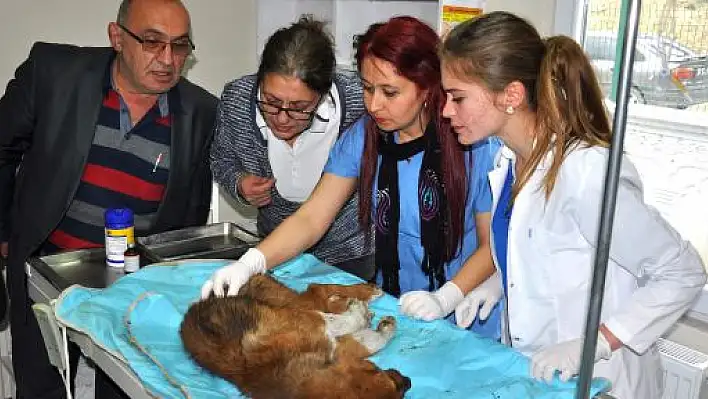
x: 273, y: 342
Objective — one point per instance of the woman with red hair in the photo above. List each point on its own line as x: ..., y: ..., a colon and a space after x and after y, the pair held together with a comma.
x: 426, y: 196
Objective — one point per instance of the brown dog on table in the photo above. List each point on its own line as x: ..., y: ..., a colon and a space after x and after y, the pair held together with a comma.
x: 273, y: 342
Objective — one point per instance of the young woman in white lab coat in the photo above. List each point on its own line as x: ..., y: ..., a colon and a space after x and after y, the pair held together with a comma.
x: 542, y: 99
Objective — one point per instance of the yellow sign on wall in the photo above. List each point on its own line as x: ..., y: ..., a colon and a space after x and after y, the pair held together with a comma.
x: 453, y: 12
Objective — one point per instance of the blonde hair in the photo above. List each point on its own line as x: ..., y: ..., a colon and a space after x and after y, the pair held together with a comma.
x: 500, y: 48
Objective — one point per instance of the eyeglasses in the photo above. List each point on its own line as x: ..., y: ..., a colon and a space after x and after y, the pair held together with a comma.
x: 180, y: 47
x: 296, y: 114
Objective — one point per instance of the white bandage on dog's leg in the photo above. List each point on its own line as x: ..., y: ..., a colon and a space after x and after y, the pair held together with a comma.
x: 374, y: 340
x: 354, y: 319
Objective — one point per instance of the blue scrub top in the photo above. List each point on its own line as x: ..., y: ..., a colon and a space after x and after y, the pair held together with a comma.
x: 345, y: 161
x: 500, y: 225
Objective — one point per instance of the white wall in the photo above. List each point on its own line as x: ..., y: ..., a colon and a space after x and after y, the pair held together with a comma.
x: 224, y: 34
x: 24, y: 22
x: 276, y: 14
x: 346, y: 17
x: 541, y: 13
x: 355, y: 16
x: 350, y: 17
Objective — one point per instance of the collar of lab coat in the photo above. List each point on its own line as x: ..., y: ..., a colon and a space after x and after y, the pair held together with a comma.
x: 504, y: 158
x: 506, y: 155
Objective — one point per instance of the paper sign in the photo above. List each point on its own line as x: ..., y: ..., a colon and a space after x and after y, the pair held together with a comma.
x: 454, y: 12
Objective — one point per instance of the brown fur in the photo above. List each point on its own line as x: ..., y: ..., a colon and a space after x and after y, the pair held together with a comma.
x: 272, y: 343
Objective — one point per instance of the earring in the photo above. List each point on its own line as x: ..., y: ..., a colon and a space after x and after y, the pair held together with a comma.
x: 509, y: 110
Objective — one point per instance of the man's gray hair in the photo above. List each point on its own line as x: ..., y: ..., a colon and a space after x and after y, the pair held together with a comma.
x: 123, y: 11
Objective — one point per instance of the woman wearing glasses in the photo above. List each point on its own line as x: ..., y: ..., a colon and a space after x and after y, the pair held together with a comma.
x: 274, y: 132
x: 426, y: 195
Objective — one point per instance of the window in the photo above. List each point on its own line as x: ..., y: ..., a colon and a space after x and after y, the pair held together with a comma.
x: 671, y: 68
x: 667, y: 128
x: 599, y: 48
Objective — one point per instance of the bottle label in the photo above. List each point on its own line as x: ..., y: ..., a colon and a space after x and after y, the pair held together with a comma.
x: 117, y: 241
x: 132, y: 263
x: 128, y: 232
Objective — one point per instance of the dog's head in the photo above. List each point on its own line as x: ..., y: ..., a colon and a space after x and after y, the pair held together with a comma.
x: 362, y: 379
x: 212, y: 326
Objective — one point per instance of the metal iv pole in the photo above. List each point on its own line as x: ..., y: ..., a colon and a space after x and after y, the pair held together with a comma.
x: 629, y: 24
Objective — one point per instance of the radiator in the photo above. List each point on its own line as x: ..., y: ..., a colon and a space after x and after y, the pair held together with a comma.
x: 685, y: 371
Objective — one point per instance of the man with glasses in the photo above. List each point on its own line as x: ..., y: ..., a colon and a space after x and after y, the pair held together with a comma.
x: 274, y: 133
x: 86, y: 129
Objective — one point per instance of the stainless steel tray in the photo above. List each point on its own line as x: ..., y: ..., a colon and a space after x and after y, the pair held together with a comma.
x: 86, y: 267
x: 216, y: 241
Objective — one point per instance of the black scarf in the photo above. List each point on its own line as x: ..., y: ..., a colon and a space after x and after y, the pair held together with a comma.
x: 432, y: 204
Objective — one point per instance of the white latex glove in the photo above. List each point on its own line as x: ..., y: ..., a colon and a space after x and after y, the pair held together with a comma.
x: 565, y: 358
x: 485, y: 295
x: 429, y: 306
x: 235, y: 274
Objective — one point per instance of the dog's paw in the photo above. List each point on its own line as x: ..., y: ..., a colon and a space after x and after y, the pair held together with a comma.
x: 355, y: 318
x: 374, y: 340
x: 386, y: 325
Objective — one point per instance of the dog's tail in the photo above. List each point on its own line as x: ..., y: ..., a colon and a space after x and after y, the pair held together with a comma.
x: 212, y: 330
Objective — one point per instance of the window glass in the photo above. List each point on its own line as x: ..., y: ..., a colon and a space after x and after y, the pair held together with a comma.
x: 600, y: 48
x: 667, y: 129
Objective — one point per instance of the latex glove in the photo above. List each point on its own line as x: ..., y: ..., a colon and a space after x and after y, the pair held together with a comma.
x: 485, y: 295
x: 429, y: 306
x: 235, y: 274
x: 565, y: 358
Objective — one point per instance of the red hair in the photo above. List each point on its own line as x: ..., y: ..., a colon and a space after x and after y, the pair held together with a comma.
x: 411, y: 47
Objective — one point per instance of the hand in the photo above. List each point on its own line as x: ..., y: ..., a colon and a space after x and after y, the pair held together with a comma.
x: 255, y: 189
x: 235, y: 274
x: 485, y: 295
x: 565, y: 357
x: 430, y: 306
x: 3, y: 249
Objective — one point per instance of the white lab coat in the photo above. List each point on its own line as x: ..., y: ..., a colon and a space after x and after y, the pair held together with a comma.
x: 653, y: 275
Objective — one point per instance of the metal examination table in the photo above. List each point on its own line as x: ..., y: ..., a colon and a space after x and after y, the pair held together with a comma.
x: 48, y: 276
x: 45, y: 283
